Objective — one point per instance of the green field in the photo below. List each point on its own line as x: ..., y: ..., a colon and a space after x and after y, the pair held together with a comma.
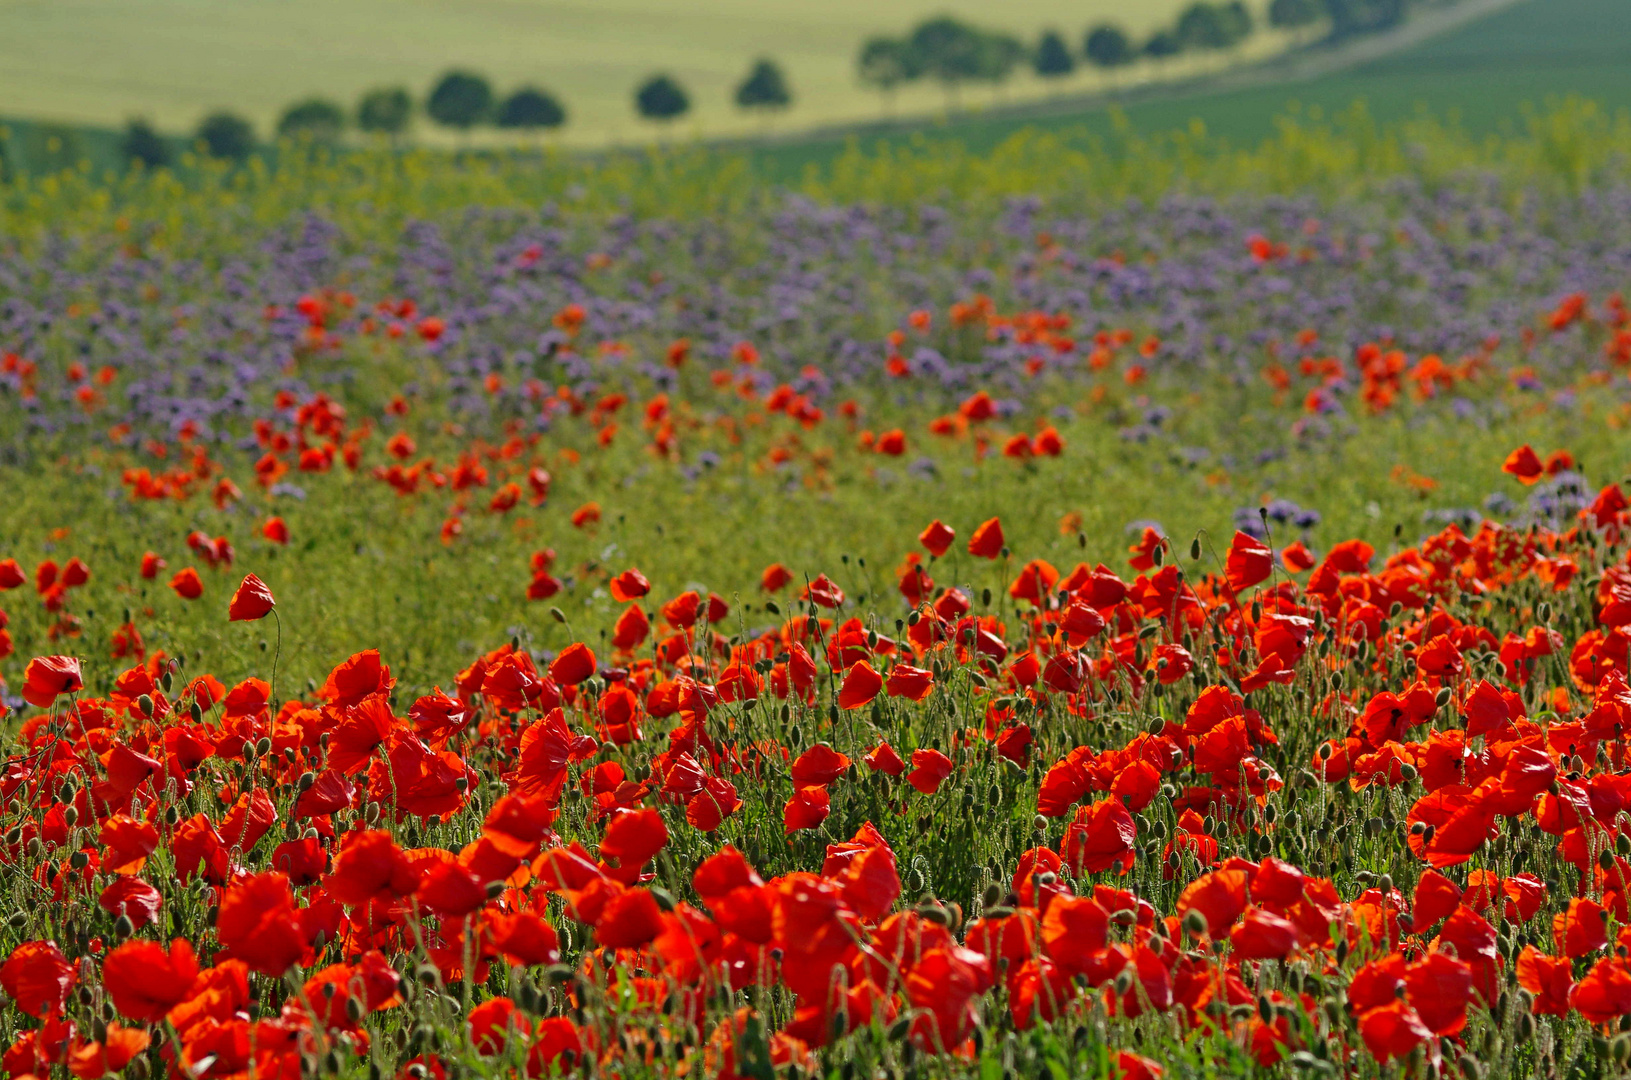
x: 100, y: 61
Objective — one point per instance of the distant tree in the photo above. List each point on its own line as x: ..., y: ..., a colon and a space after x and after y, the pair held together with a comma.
x: 141, y: 143
x: 952, y: 52
x: 885, y: 63
x: 765, y: 88
x: 1163, y: 45
x: 227, y: 135
x: 531, y: 109
x: 460, y: 100
x: 385, y: 111
x: 1108, y: 46
x: 1204, y: 26
x: 999, y: 55
x: 1349, y: 17
x: 1294, y: 14
x: 662, y: 99
x: 317, y: 120
x: 1052, y: 59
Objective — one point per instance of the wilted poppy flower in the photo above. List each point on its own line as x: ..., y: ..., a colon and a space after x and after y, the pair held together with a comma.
x: 987, y: 540
x: 252, y: 601
x: 187, y: 585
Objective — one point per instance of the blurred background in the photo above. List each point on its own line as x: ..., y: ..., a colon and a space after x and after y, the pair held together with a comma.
x: 106, y: 82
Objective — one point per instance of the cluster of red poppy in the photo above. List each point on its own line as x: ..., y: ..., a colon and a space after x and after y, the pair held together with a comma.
x: 1182, y: 882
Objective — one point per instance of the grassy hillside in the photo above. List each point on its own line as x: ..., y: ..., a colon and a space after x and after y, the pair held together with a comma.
x: 100, y: 61
x: 1481, y: 74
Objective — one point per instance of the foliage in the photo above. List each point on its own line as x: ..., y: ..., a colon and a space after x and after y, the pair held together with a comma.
x: 1108, y: 46
x: 461, y: 100
x: 764, y: 88
x: 227, y: 136
x: 662, y: 99
x: 1052, y: 58
x: 143, y: 145
x: 316, y: 120
x: 529, y: 108
x: 385, y: 111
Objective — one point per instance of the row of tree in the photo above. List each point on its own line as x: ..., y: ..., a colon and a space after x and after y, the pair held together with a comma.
x: 460, y: 100
x: 954, y: 53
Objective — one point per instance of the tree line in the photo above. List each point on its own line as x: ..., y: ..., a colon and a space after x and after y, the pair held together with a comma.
x: 944, y: 49
x: 460, y: 100
x: 956, y: 54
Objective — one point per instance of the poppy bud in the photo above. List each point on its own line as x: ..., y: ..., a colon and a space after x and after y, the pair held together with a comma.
x: 1408, y: 771
x: 144, y: 705
x: 123, y: 927
x: 307, y: 779
x: 166, y: 682
x: 71, y: 816
x: 771, y: 606
x: 557, y: 614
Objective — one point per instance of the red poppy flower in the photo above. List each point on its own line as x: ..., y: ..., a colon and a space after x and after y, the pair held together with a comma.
x: 1249, y: 562
x: 861, y: 685
x: 132, y: 897
x: 1263, y: 935
x: 633, y: 839
x: 987, y: 540
x: 252, y: 601
x: 38, y: 977
x: 108, y: 1055
x: 1524, y: 464
x: 775, y: 578
x: 275, y: 530
x: 1548, y: 978
x: 574, y: 664
x: 824, y: 592
x: 370, y: 867
x: 1393, y: 1031
x: 47, y: 676
x: 808, y: 808
x: 631, y: 584
x: 257, y: 923
x: 1604, y: 995
x: 818, y: 766
x: 11, y: 574
x: 1220, y: 897
x: 1582, y: 929
x: 629, y: 920
x: 909, y: 682
x: 884, y: 759
x: 937, y: 537
x: 145, y: 982
x: 187, y: 585
x: 929, y: 769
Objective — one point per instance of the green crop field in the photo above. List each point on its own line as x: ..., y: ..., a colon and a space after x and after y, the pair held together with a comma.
x: 101, y: 61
